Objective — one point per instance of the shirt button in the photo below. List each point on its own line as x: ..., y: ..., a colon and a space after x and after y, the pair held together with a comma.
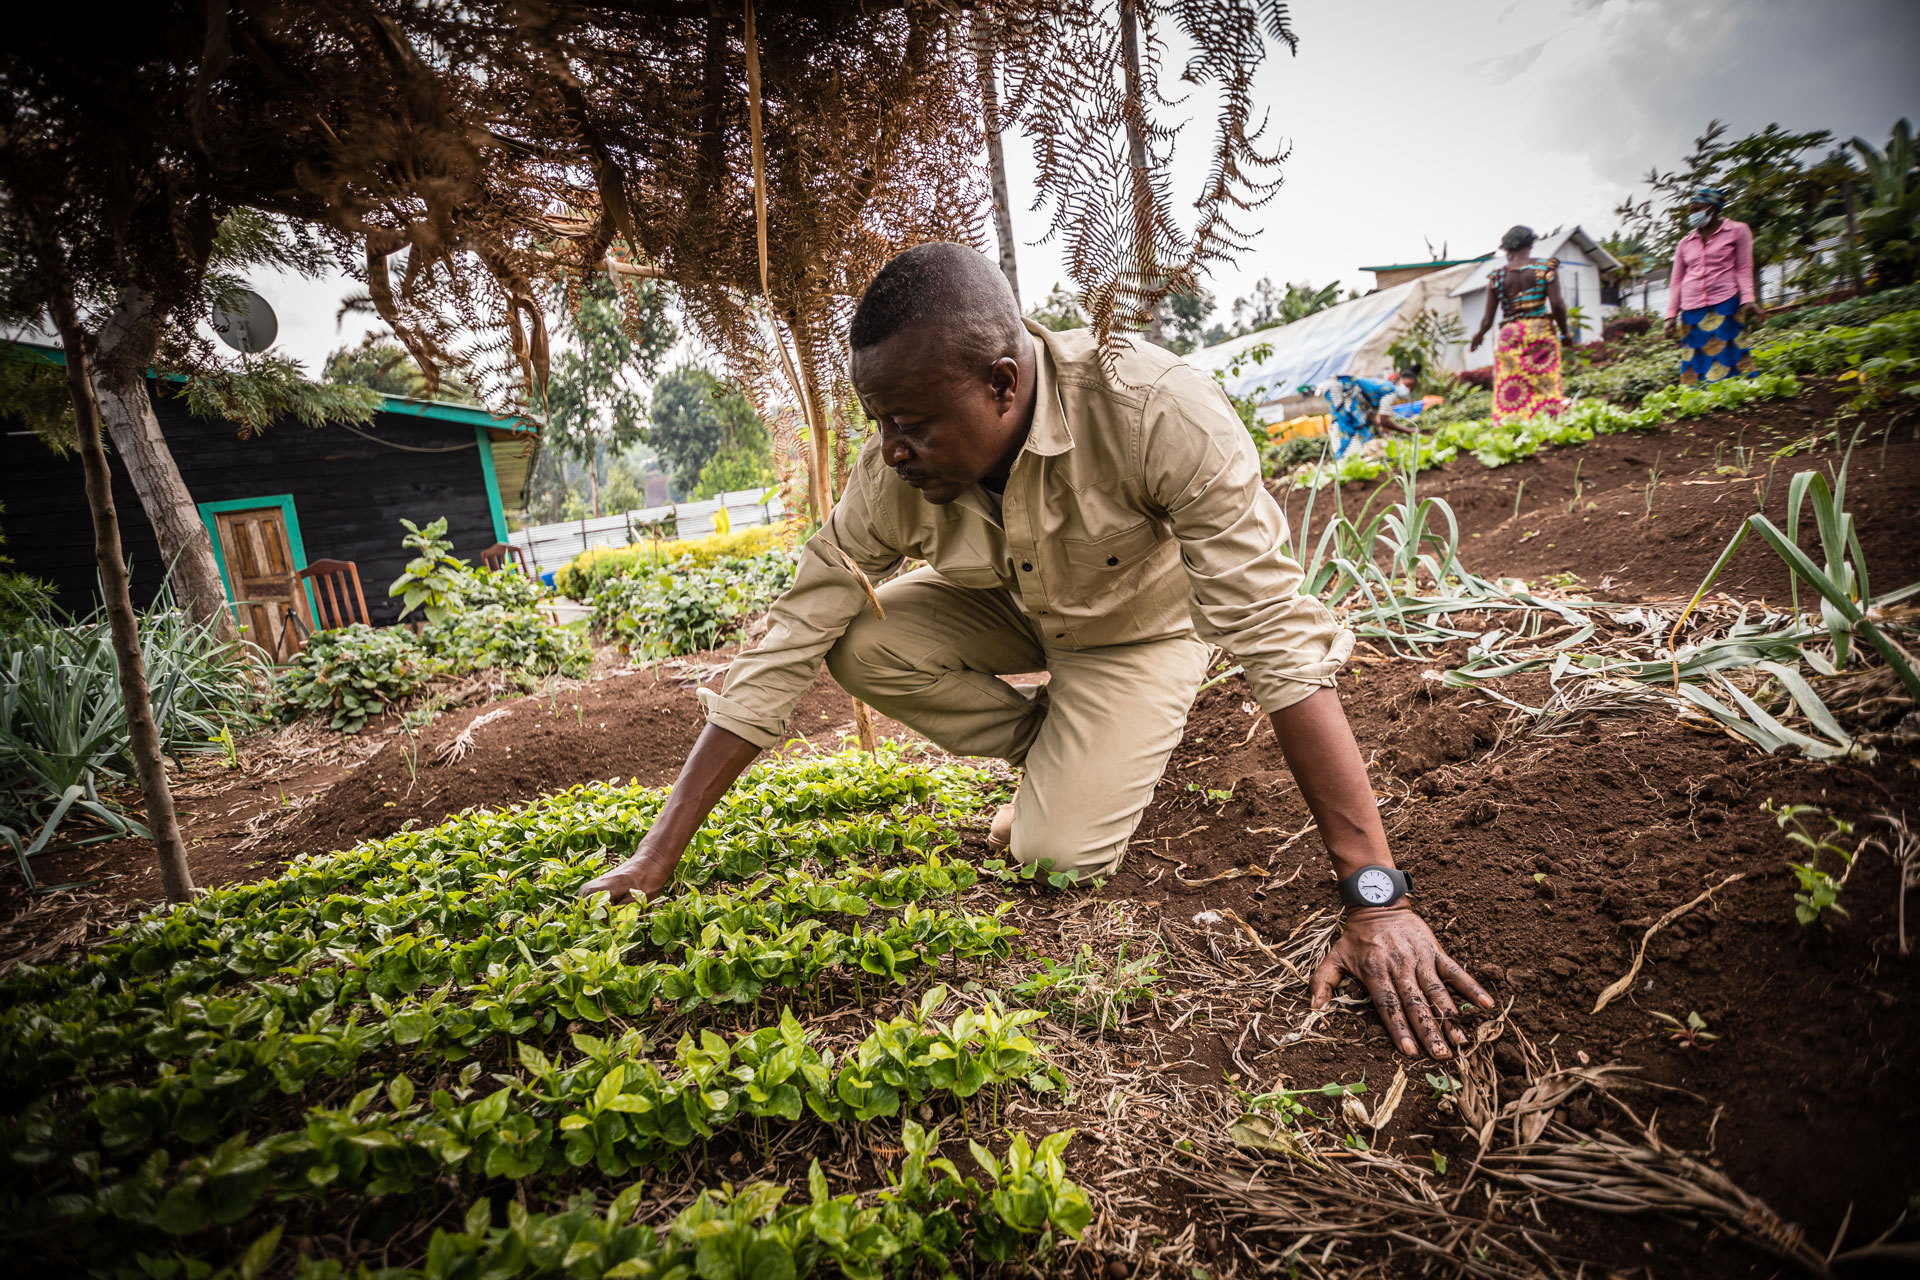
x: 1113, y: 559
x: 1026, y: 566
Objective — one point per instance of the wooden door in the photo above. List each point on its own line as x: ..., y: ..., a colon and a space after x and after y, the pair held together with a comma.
x: 263, y: 579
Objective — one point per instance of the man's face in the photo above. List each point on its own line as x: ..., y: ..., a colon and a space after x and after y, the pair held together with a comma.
x: 943, y: 427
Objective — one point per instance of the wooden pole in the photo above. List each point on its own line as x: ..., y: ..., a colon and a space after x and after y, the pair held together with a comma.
x: 143, y: 732
x: 820, y: 484
x: 983, y: 52
x: 1134, y: 111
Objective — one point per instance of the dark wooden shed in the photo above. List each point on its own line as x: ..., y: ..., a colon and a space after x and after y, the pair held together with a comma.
x: 339, y: 492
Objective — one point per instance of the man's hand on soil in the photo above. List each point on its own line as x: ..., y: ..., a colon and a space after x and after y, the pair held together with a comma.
x: 637, y: 879
x: 1391, y: 951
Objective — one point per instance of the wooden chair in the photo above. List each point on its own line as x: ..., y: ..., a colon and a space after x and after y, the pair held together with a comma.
x: 337, y: 598
x: 497, y: 555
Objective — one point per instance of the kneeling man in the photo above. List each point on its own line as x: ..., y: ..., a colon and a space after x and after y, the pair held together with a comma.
x: 1102, y: 520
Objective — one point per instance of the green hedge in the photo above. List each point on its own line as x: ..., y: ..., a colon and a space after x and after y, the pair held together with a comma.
x: 594, y: 568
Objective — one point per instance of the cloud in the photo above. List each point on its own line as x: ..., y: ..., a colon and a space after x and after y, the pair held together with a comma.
x: 1505, y: 67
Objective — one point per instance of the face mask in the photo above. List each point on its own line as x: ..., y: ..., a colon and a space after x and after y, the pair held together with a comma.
x: 1698, y: 218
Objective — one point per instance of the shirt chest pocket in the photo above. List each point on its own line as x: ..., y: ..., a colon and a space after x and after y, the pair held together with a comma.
x: 1111, y: 552
x: 971, y: 567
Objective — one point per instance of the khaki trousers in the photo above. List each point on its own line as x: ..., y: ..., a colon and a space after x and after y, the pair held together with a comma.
x: 1093, y: 742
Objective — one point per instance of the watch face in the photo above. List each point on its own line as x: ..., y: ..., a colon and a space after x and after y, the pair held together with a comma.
x: 1375, y: 885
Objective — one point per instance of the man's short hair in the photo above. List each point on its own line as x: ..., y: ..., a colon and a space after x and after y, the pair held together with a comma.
x: 949, y: 288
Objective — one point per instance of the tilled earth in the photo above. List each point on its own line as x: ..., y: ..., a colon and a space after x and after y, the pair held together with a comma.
x: 1540, y: 860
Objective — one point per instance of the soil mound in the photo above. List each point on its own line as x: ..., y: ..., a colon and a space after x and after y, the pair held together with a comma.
x: 1524, y: 519
x: 625, y: 728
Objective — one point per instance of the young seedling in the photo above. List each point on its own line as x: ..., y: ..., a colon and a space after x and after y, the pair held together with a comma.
x: 1819, y: 889
x: 1653, y: 483
x: 1574, y: 501
x: 1691, y: 1034
x: 1516, y: 499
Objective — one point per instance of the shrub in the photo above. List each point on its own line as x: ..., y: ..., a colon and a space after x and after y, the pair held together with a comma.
x: 1884, y: 356
x: 354, y: 673
x: 1630, y: 374
x: 63, y: 726
x: 480, y: 587
x: 24, y: 600
x: 595, y: 567
x: 519, y: 640
x: 1852, y: 311
x: 433, y: 577
x: 685, y: 609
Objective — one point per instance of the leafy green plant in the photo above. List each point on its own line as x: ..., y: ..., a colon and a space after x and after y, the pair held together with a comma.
x: 353, y: 673
x: 1819, y: 888
x: 1031, y: 1196
x: 684, y: 609
x: 1690, y: 1034
x: 330, y: 1030
x: 1289, y: 1104
x: 1882, y: 357
x: 433, y: 579
x: 1861, y: 310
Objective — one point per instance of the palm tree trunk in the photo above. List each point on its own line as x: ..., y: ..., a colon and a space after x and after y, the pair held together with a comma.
x: 996, y: 157
x: 143, y: 732
x: 119, y: 382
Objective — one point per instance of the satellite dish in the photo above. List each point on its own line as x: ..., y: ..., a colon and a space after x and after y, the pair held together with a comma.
x: 246, y: 322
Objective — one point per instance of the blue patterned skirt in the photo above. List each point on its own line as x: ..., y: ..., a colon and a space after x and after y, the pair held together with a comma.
x: 1710, y: 346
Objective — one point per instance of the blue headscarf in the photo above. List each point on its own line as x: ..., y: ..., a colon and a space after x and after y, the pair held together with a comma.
x: 1710, y: 195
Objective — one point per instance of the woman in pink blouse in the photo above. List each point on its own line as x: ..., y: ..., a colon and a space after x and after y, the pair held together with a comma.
x: 1711, y: 299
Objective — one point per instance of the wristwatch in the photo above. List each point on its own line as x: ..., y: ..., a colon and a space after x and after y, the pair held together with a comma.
x: 1375, y: 887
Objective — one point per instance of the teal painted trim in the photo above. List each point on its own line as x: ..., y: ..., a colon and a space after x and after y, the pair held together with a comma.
x: 404, y: 406
x: 493, y: 485
x: 462, y: 413
x: 296, y: 546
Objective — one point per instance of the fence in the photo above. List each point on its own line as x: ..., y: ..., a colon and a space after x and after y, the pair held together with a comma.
x: 551, y: 545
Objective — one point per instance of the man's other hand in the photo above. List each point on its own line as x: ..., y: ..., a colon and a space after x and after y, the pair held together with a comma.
x: 637, y: 879
x: 1393, y: 953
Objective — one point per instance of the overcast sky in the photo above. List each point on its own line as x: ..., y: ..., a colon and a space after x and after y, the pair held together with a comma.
x: 1446, y: 121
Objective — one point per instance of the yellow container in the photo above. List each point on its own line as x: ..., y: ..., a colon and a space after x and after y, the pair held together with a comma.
x: 1309, y: 425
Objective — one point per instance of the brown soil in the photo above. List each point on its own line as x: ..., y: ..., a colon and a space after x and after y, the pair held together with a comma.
x: 1619, y: 549
x: 1540, y: 860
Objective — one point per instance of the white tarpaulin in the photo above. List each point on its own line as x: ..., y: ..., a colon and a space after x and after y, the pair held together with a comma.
x: 1352, y: 337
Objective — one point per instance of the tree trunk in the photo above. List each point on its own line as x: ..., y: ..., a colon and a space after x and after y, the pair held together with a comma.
x: 119, y: 381
x: 143, y: 733
x: 593, y: 477
x: 996, y: 156
x: 1853, y: 242
x: 1146, y: 269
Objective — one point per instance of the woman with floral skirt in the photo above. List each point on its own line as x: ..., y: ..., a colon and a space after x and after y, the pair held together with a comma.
x: 1526, y: 363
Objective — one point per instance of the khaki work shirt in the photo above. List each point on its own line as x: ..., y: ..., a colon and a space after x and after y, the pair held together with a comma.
x: 1134, y: 512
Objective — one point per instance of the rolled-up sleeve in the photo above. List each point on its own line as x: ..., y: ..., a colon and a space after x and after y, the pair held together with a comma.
x: 1201, y: 467
x: 765, y: 683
